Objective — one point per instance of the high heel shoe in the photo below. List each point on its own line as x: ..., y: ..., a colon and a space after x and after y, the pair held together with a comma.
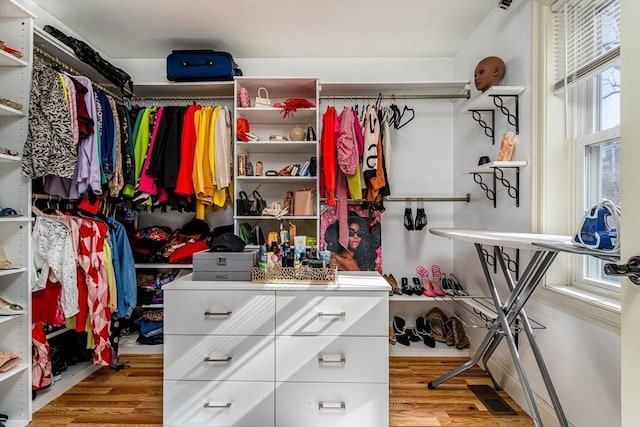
x: 436, y: 274
x: 457, y: 286
x: 421, y: 217
x: 399, y: 331
x: 424, y: 331
x: 426, y: 283
x: 395, y: 290
x: 408, y: 219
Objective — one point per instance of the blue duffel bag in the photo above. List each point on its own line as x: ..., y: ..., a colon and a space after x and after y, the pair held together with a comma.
x: 201, y: 66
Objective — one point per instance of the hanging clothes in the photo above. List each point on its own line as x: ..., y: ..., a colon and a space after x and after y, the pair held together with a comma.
x: 184, y: 183
x: 49, y: 147
x: 328, y: 153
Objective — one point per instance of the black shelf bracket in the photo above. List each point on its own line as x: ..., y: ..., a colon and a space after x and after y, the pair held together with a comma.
x: 488, y: 129
x: 511, y: 118
x: 498, y: 175
x: 513, y: 264
x: 491, y: 194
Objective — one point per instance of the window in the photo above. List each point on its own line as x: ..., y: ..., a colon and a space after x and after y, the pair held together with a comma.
x: 587, y: 47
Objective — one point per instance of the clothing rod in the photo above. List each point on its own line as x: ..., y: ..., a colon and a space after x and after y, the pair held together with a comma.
x: 465, y: 95
x: 36, y: 196
x: 46, y: 55
x: 466, y: 198
x: 180, y: 98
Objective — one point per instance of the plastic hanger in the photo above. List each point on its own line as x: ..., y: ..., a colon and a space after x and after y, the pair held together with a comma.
x: 404, y: 110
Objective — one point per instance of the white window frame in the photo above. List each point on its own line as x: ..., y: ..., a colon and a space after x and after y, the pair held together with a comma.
x: 560, y: 288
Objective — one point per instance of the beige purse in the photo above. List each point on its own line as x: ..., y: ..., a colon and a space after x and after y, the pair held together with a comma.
x: 263, y: 101
x: 303, y: 202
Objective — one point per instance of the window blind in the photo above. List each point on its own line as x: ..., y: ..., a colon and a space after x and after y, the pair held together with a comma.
x: 586, y: 38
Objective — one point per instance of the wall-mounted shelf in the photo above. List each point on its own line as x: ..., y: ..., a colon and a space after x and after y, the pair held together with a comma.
x: 408, y: 90
x: 496, y: 169
x: 496, y: 98
x: 276, y: 146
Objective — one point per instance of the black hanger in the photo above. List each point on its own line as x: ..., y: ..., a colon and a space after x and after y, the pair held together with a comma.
x: 404, y: 110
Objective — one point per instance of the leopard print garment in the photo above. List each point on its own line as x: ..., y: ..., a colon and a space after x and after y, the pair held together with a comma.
x: 49, y: 148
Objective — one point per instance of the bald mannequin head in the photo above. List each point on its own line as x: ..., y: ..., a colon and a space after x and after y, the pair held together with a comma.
x: 489, y: 72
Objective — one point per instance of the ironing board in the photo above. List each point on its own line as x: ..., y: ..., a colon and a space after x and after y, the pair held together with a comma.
x: 545, y: 248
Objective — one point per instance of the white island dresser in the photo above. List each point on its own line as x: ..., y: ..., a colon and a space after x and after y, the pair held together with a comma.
x: 243, y: 354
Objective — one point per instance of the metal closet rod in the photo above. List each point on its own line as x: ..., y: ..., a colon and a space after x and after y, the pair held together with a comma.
x: 46, y: 55
x: 36, y: 196
x: 466, y: 198
x: 180, y: 98
x: 398, y: 97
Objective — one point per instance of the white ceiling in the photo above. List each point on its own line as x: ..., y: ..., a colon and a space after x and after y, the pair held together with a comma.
x: 273, y: 28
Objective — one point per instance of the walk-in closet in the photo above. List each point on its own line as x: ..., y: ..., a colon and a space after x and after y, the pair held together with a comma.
x: 318, y: 213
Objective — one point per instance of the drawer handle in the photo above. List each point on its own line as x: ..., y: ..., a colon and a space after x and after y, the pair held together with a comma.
x: 341, y: 314
x: 210, y: 406
x: 211, y: 313
x: 210, y: 359
x: 332, y: 405
x: 341, y: 361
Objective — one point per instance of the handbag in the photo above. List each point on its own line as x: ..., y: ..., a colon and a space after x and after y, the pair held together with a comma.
x: 263, y: 101
x: 599, y: 227
x: 250, y: 235
x: 303, y: 202
x: 242, y: 204
x: 245, y: 100
x: 257, y: 204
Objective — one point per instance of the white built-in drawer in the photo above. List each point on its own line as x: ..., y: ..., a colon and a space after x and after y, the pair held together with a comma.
x: 207, y: 312
x: 201, y: 357
x: 219, y: 404
x: 332, y: 405
x: 332, y: 359
x: 332, y: 313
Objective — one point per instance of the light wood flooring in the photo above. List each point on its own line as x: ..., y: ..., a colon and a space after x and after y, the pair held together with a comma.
x: 133, y: 397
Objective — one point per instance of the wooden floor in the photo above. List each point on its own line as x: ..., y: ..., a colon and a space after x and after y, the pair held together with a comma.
x: 133, y: 397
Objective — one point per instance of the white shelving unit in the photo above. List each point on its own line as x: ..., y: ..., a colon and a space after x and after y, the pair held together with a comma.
x: 16, y: 25
x: 274, y: 155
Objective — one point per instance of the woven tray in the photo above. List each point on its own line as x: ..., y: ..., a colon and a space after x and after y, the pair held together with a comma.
x: 301, y: 275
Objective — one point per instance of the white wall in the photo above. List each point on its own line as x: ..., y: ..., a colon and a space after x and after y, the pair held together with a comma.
x: 583, y: 359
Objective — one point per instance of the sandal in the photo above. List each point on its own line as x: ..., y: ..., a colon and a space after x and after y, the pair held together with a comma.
x: 426, y: 283
x: 457, y: 286
x: 437, y: 280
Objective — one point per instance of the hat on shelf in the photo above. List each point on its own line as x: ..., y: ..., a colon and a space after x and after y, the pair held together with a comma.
x: 226, y: 242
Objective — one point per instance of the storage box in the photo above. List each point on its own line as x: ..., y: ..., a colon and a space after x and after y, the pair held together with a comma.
x: 224, y: 265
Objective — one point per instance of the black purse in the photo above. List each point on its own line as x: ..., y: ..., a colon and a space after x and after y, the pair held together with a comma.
x: 257, y: 204
x: 243, y: 204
